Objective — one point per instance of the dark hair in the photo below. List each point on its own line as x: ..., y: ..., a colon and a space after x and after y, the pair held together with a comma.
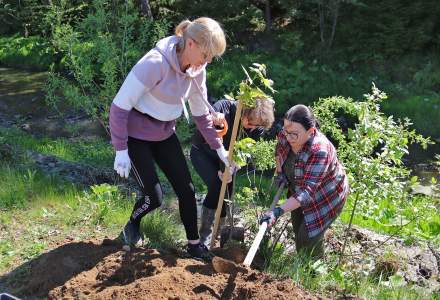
x: 302, y: 114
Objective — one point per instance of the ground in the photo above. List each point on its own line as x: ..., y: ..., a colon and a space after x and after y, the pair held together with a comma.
x: 84, y: 268
x: 91, y: 270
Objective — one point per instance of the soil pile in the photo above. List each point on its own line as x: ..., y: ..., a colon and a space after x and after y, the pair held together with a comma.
x: 90, y: 270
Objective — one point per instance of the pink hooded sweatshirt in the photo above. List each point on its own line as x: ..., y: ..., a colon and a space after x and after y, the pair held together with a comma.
x: 157, y: 87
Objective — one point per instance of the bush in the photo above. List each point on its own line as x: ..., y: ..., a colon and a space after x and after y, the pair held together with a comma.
x: 33, y: 52
x: 98, y: 53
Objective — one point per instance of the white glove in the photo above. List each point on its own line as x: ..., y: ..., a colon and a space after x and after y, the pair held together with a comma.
x: 223, y: 155
x: 122, y: 164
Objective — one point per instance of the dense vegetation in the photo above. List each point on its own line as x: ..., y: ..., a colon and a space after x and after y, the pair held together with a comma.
x: 325, y: 53
x: 322, y: 48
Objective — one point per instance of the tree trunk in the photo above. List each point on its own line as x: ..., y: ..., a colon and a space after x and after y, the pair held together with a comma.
x: 321, y: 21
x: 335, y: 12
x: 267, y: 16
x: 146, y: 9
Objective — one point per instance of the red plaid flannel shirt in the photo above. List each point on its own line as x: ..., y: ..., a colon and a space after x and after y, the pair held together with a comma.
x: 321, y: 184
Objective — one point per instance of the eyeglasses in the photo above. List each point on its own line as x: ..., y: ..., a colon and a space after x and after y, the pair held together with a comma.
x: 289, y: 135
x: 254, y: 125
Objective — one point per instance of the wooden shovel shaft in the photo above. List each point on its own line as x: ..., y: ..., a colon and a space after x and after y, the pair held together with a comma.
x: 226, y: 174
x: 262, y: 230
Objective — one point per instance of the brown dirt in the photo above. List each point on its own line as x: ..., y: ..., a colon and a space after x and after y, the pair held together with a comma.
x: 90, y: 270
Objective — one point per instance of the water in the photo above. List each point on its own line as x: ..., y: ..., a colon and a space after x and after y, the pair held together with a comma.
x: 22, y: 103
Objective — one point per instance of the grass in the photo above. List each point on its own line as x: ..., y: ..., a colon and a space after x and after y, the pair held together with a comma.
x: 421, y: 109
x: 98, y: 152
x: 341, y: 282
x: 420, y: 218
x: 44, y: 210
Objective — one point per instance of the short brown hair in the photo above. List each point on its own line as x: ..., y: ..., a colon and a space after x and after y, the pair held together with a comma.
x: 262, y: 114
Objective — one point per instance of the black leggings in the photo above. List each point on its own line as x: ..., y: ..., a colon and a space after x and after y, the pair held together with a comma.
x: 169, y: 157
x: 207, y: 164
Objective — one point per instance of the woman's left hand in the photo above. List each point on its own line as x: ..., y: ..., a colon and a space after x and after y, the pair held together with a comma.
x: 221, y: 174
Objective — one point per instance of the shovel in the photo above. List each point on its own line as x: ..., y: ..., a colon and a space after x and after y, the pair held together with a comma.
x: 222, y: 265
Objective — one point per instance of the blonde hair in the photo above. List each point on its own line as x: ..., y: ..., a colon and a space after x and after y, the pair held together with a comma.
x: 206, y: 32
x: 262, y: 114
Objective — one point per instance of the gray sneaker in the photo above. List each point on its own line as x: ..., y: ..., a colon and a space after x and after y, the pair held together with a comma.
x: 130, y: 235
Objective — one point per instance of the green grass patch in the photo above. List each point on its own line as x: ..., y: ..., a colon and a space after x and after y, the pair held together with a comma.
x: 97, y: 152
x: 328, y: 278
x: 20, y: 187
x: 418, y: 217
x: 161, y: 230
x: 45, y: 210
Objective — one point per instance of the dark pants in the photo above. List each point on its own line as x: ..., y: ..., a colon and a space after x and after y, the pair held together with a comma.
x: 207, y: 164
x: 169, y: 157
x: 311, y: 247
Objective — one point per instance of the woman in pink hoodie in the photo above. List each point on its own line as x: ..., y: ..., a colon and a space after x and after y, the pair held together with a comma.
x: 143, y: 118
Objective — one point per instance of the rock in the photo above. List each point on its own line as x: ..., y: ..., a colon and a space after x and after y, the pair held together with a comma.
x: 26, y: 127
x: 422, y: 190
x: 424, y: 271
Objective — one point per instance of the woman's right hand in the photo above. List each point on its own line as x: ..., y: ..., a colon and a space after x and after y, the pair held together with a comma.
x: 122, y: 163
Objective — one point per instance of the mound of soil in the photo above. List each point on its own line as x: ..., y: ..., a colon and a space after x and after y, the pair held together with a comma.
x: 90, y: 270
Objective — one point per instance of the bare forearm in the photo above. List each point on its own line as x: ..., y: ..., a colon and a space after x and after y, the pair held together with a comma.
x: 291, y: 204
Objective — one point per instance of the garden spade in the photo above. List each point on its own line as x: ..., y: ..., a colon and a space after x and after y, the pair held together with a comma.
x: 262, y: 230
x: 222, y: 265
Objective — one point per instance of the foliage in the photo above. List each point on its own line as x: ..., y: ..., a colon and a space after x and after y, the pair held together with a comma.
x: 262, y: 155
x: 242, y: 149
x: 253, y: 88
x: 101, y: 200
x: 31, y: 52
x: 411, y: 27
x: 98, y: 53
x: 33, y: 17
x: 371, y: 150
x: 325, y: 276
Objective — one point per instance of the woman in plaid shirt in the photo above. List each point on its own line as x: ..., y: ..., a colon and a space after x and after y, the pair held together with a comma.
x: 317, y: 182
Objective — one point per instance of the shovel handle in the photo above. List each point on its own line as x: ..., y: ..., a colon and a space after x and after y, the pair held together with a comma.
x: 262, y: 230
x: 277, y: 196
x: 251, y: 254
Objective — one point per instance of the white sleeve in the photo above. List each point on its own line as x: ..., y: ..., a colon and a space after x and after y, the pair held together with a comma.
x: 143, y: 77
x: 129, y: 93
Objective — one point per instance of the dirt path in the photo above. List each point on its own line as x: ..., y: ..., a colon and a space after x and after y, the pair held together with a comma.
x: 89, y: 270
